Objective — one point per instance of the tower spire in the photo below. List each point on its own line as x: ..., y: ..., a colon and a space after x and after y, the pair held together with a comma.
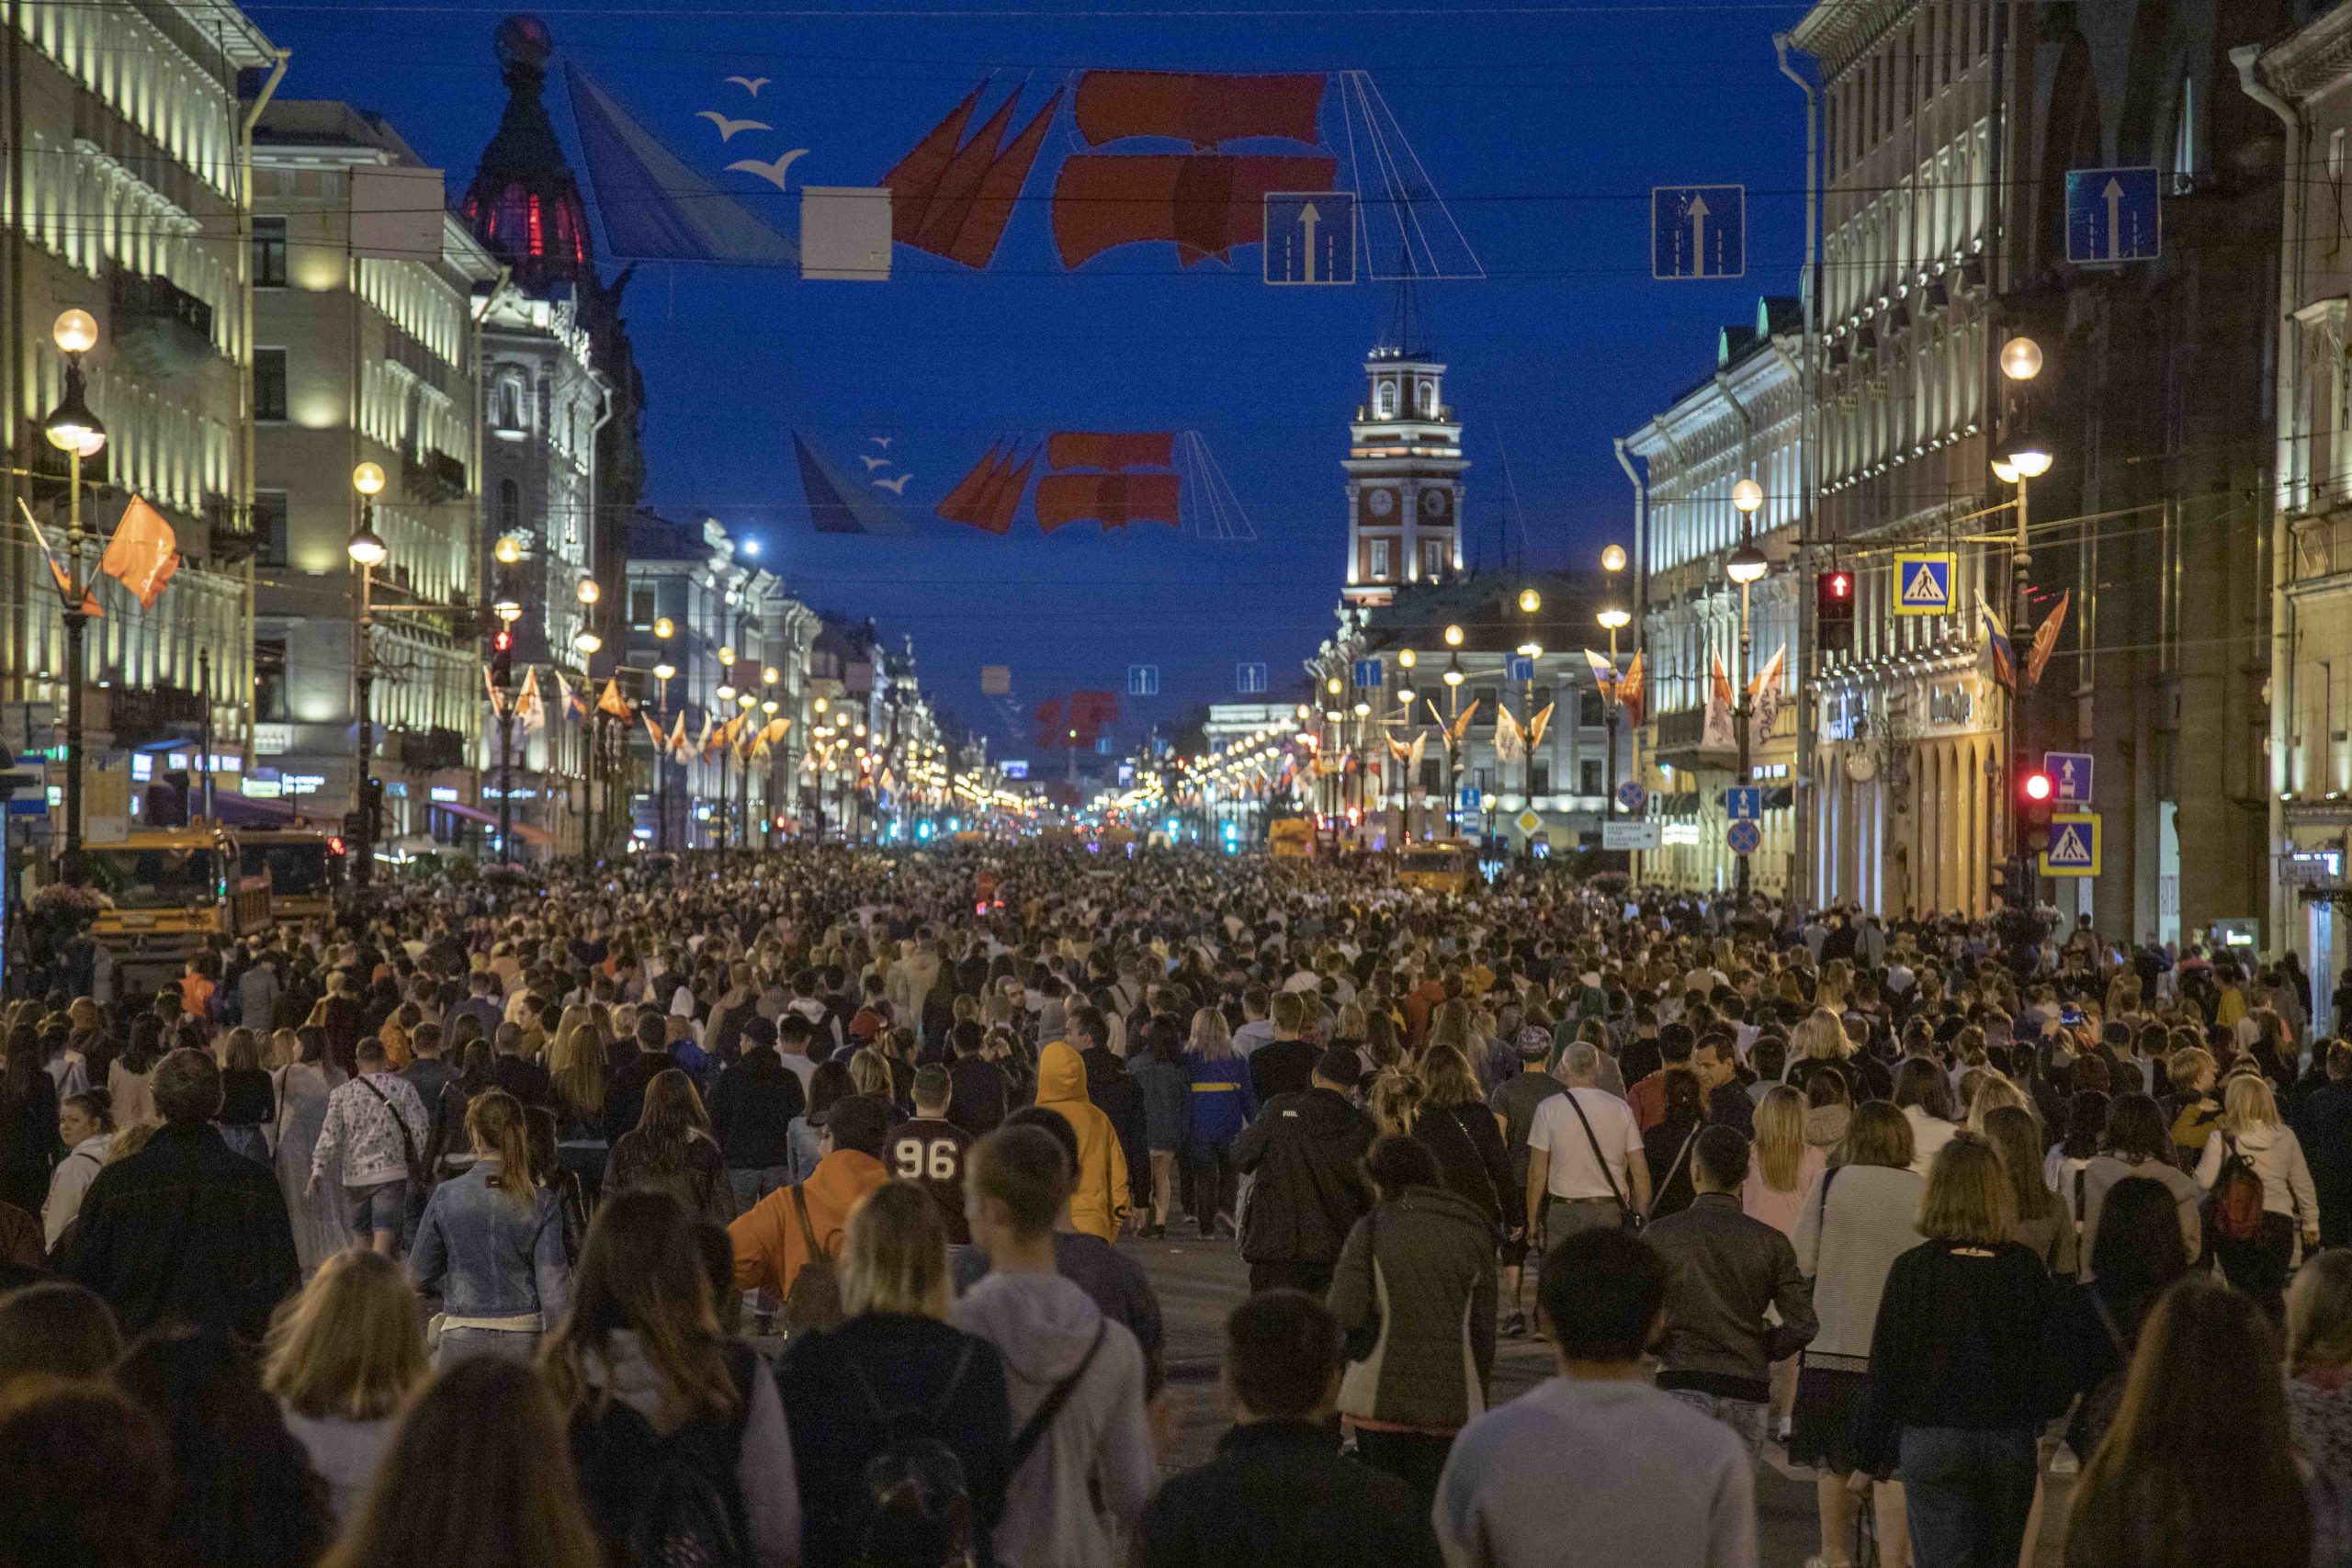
x: 1406, y: 322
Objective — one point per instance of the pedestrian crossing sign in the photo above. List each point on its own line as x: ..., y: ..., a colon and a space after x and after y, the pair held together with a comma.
x: 2074, y: 845
x: 1923, y: 583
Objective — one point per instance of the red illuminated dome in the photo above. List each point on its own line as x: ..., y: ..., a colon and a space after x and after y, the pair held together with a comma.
x: 524, y: 204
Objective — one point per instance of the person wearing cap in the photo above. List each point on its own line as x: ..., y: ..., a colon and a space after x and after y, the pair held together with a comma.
x: 1100, y: 1195
x: 770, y: 1248
x: 1304, y: 1153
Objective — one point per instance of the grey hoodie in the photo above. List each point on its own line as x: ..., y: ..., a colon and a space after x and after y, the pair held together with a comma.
x: 1043, y: 1324
x: 764, y: 1469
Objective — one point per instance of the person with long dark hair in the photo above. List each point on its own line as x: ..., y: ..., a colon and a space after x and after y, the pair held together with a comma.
x: 2086, y: 1340
x: 2198, y: 1469
x: 243, y: 1492
x: 640, y: 1359
x: 1668, y: 1147
x: 29, y: 1146
x: 476, y: 1472
x: 671, y: 1148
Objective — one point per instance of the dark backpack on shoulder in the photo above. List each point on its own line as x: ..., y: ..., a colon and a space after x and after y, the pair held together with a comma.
x: 667, y: 1500
x: 2234, y: 1211
x: 913, y: 1507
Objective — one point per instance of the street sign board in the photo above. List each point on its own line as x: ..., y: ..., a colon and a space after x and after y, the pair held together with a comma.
x: 1523, y: 669
x: 1143, y: 680
x: 2074, y: 845
x: 996, y: 679
x: 1922, y: 582
x: 1629, y: 835
x: 1698, y: 232
x: 1744, y: 837
x: 1368, y: 672
x: 1744, y: 803
x: 2070, y: 777
x: 1250, y: 680
x: 1632, y: 797
x: 1310, y: 237
x: 2113, y: 215
x: 1528, y: 823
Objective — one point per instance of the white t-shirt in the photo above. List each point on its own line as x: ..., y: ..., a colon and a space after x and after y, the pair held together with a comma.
x: 1558, y: 1133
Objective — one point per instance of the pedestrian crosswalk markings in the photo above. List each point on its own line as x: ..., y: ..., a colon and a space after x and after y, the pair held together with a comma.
x: 2068, y: 849
x: 2074, y: 845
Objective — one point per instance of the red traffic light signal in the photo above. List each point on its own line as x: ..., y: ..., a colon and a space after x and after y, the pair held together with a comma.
x: 2036, y: 803
x: 1833, y: 594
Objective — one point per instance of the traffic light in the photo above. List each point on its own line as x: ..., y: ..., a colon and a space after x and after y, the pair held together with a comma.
x: 1833, y: 618
x: 501, y: 657
x: 2037, y: 802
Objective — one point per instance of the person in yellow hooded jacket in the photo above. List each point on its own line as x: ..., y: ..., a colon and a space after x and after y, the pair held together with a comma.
x: 1098, y: 1199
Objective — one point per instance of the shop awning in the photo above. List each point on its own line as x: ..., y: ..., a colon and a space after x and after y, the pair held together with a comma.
x: 470, y: 813
x: 239, y: 811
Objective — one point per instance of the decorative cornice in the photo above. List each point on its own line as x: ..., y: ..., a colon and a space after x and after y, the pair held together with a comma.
x: 1835, y: 31
x: 2313, y: 59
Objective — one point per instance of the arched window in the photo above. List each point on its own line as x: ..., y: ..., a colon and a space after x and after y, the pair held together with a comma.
x: 1384, y: 400
x: 1426, y: 394
x: 507, y: 412
x: 510, y: 506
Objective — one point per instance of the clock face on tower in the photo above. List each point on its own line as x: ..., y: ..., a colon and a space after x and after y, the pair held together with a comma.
x: 1434, y: 502
x: 1381, y: 502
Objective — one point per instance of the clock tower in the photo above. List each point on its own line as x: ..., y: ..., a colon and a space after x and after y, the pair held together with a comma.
x: 1404, y: 467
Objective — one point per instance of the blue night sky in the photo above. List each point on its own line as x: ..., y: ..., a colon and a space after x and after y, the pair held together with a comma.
x: 1543, y: 127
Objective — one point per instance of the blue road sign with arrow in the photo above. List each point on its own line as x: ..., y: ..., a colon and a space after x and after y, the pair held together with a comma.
x: 2112, y: 216
x: 1368, y: 672
x: 1310, y: 237
x: 2070, y: 777
x: 1744, y: 803
x: 1698, y: 232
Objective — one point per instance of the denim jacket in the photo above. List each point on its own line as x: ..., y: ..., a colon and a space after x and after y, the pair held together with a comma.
x: 488, y: 1257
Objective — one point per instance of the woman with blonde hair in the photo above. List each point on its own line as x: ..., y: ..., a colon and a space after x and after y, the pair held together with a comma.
x: 1785, y: 1166
x: 491, y: 1241
x: 897, y: 1351
x: 343, y: 1357
x: 2250, y: 1142
x: 1454, y: 1125
x: 1394, y: 1103
x: 1954, y: 1405
x: 1224, y: 1102
x: 1990, y: 1093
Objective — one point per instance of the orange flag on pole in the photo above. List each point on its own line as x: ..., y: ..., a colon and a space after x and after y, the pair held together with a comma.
x: 2045, y: 640
x: 677, y: 747
x: 143, y: 553
x: 1462, y: 722
x: 612, y: 702
x: 1629, y: 690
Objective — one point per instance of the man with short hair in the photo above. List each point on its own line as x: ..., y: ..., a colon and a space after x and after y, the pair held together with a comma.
x: 1726, y: 1271
x: 1717, y: 1063
x: 375, y: 1133
x: 1082, y: 1458
x: 1595, y: 1465
x: 930, y: 1150
x: 1256, y: 1030
x: 516, y: 1073
x: 1646, y: 1095
x: 1277, y: 1492
x: 1304, y: 1153
x: 257, y: 993
x: 625, y: 1095
x: 1515, y: 1102
x: 186, y: 1230
x: 1285, y: 1064
x: 1585, y: 1164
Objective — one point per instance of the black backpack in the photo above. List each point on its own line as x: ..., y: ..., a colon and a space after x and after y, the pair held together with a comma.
x: 914, y: 1506
x: 667, y: 1500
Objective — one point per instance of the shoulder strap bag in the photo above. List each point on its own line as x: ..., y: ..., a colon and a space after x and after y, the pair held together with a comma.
x: 1033, y: 1431
x: 1627, y: 1218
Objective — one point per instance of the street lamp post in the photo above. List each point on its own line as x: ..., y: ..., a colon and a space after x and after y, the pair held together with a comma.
x: 662, y: 672
x: 1529, y: 602
x: 1746, y: 568
x: 1407, y: 784
x: 1613, y: 618
x: 2027, y: 459
x: 507, y: 605
x: 74, y: 429
x: 1453, y: 742
x: 367, y: 551
x: 590, y: 593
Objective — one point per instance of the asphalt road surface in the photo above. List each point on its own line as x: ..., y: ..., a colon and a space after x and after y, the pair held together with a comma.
x: 1199, y: 1282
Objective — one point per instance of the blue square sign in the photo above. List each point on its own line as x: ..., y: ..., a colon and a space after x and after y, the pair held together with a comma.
x: 2070, y: 777
x: 1698, y: 232
x: 1310, y: 237
x: 1744, y: 803
x: 2113, y: 216
x: 1368, y: 672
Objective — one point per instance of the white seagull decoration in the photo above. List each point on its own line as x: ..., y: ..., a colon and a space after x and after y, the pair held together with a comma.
x: 873, y: 462
x: 750, y: 84
x: 897, y: 486
x: 772, y: 173
x: 728, y: 127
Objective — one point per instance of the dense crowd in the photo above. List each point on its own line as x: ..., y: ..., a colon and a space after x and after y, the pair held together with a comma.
x: 789, y: 1209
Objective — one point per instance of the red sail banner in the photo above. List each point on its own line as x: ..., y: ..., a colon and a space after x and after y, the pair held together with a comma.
x: 961, y: 505
x: 1206, y: 205
x: 1110, y: 449
x: 954, y: 197
x: 1113, y: 499
x: 1201, y: 108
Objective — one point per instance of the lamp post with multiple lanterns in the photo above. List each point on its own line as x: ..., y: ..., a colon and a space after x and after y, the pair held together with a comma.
x: 367, y: 551
x: 1613, y: 618
x: 506, y: 604
x: 74, y: 429
x: 665, y: 629
x: 2026, y: 458
x: 1747, y: 566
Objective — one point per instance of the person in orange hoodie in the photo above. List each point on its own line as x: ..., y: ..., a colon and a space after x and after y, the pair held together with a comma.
x: 769, y: 1250
x: 1098, y: 1199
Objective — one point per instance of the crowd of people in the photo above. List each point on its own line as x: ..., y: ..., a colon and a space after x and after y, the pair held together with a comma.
x: 792, y: 1209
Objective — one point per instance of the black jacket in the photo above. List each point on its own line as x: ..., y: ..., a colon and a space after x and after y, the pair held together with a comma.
x: 752, y: 1108
x: 833, y: 1379
x: 525, y: 1079
x: 1472, y: 1161
x: 1725, y: 1270
x: 625, y: 1095
x: 1120, y: 1097
x: 30, y: 1149
x: 1956, y: 1343
x: 2324, y: 1125
x: 979, y: 1090
x: 1306, y: 1151
x: 186, y: 1229
x: 1282, y: 1066
x: 1280, y: 1492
